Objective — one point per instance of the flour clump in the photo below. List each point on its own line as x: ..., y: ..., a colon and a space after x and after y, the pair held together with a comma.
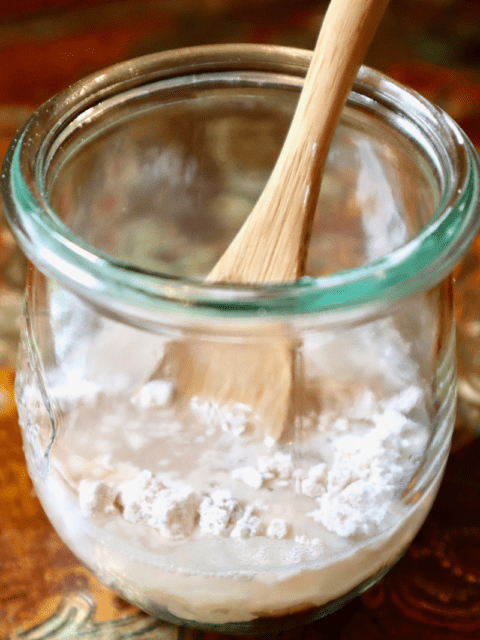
x: 172, y: 510
x: 218, y: 513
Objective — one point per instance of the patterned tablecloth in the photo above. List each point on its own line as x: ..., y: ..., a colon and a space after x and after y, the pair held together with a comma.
x: 431, y: 45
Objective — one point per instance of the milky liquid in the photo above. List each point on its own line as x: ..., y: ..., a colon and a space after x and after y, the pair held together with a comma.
x: 332, y: 540
x: 275, y: 526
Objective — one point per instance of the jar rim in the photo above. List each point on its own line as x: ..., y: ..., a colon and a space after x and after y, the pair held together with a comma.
x: 420, y: 263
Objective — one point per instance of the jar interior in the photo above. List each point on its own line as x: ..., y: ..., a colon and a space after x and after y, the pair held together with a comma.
x: 162, y: 177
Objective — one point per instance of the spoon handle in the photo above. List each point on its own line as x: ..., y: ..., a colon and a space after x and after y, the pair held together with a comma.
x: 272, y: 244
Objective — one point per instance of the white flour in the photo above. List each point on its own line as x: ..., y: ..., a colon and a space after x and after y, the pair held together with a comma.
x: 184, y: 509
x: 371, y: 447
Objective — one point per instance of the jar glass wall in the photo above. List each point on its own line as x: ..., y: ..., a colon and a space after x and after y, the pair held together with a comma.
x: 200, y: 494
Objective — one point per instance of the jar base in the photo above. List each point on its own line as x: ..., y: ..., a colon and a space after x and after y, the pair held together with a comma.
x: 264, y: 626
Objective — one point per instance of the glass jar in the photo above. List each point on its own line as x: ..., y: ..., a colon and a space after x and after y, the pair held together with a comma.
x: 274, y: 502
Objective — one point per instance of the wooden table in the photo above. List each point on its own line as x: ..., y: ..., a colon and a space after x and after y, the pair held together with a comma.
x: 432, y: 45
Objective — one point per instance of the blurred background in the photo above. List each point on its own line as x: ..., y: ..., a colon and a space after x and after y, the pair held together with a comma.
x: 430, y: 45
x: 46, y: 44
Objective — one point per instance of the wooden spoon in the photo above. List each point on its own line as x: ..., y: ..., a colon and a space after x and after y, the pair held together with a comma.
x: 272, y: 244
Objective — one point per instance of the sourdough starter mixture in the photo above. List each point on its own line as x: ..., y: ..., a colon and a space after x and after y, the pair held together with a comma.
x: 189, y: 511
